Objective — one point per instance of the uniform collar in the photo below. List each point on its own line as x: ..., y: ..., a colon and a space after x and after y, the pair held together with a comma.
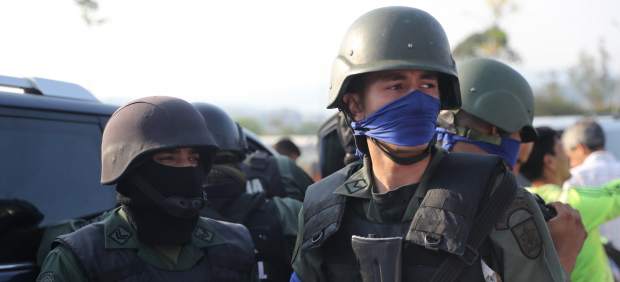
x: 359, y: 184
x: 119, y: 234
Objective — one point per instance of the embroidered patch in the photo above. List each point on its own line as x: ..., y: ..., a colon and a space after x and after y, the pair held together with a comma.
x: 46, y: 277
x: 203, y: 234
x: 527, y: 235
x: 355, y: 185
x: 120, y: 235
x: 518, y: 204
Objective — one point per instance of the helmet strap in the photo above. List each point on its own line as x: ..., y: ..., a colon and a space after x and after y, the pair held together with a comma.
x: 475, y: 135
x: 405, y: 160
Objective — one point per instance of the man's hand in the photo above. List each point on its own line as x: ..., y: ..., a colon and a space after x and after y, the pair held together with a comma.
x: 568, y: 234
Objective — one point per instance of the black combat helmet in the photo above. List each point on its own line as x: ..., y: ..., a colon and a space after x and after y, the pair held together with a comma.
x: 395, y: 38
x: 148, y: 125
x: 228, y: 135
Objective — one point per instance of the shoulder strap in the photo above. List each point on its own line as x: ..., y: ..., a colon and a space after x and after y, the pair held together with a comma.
x: 496, y: 205
x: 322, y: 209
x: 87, y: 245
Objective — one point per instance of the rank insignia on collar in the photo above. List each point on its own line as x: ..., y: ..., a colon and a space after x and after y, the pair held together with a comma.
x: 356, y: 185
x: 120, y: 235
x: 203, y: 234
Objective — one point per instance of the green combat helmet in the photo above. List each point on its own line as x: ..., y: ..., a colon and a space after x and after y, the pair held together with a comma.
x: 497, y: 94
x: 395, y: 38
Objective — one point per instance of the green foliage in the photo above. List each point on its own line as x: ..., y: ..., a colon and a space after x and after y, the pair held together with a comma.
x: 251, y: 124
x: 549, y: 100
x: 591, y: 78
x: 492, y: 42
x: 276, y: 126
x: 308, y: 127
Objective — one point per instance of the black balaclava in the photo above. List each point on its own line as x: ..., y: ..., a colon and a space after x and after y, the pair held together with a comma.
x: 224, y: 184
x: 155, y: 221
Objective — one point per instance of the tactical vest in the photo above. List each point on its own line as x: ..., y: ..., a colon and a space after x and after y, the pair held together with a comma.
x: 336, y: 144
x: 263, y: 175
x: 223, y: 262
x: 260, y: 216
x: 457, y: 185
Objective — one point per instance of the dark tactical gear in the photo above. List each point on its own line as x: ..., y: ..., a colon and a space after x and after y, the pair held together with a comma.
x: 249, y: 193
x: 395, y: 38
x: 273, y: 175
x: 264, y: 219
x: 336, y: 144
x: 276, y: 176
x: 379, y: 258
x: 99, y: 249
x: 150, y: 124
x: 227, y: 133
x: 263, y: 176
x: 499, y: 95
x: 323, y: 252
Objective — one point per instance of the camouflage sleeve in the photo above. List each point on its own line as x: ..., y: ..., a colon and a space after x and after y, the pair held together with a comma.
x: 526, y: 247
x: 61, y: 265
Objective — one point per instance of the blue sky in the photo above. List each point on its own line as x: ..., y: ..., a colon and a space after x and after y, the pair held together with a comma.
x: 259, y: 54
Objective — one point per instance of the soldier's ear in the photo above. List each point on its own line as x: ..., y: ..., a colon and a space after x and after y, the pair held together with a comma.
x: 353, y: 103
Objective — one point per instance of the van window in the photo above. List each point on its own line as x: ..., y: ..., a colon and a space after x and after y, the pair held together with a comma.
x: 53, y: 164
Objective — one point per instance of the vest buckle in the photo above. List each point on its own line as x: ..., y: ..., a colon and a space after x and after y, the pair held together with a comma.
x: 432, y: 241
x: 317, y: 237
x: 470, y: 255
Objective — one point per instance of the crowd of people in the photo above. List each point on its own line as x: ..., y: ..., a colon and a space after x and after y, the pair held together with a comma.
x: 428, y: 174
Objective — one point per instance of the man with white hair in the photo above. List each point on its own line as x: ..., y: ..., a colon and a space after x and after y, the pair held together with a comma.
x: 591, y: 165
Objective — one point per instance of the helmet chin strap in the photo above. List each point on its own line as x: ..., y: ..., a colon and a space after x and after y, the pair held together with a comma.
x: 405, y: 160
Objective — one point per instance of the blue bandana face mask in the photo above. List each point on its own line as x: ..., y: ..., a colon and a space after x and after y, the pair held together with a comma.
x: 508, y: 149
x: 408, y: 121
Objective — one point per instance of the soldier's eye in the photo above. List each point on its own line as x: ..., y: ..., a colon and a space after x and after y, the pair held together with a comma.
x: 398, y: 86
x: 428, y: 86
x: 165, y: 158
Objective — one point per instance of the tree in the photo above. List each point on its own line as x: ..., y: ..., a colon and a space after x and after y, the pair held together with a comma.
x: 89, y: 9
x: 250, y: 124
x: 592, y: 79
x: 549, y: 100
x: 492, y: 41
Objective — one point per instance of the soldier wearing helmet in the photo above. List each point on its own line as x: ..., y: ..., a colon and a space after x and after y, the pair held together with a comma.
x: 156, y: 150
x: 408, y: 211
x: 271, y: 220
x: 496, y: 116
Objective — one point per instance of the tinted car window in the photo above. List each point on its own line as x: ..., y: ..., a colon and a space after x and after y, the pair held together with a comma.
x: 53, y: 164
